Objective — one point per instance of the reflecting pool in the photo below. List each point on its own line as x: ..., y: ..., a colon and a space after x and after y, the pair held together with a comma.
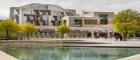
x: 71, y: 53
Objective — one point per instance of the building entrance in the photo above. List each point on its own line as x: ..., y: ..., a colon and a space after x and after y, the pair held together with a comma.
x: 89, y: 34
x: 100, y: 34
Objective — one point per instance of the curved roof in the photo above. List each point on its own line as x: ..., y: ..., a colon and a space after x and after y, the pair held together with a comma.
x: 25, y: 6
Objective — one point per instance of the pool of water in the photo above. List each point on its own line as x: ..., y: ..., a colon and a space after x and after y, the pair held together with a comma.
x: 71, y: 53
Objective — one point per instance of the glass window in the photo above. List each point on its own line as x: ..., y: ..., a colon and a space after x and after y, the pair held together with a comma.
x: 65, y: 22
x: 55, y: 18
x: 90, y: 22
x: 47, y: 7
x: 103, y: 19
x: 78, y: 22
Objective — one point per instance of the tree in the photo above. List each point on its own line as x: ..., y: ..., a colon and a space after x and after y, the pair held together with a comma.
x: 126, y: 22
x: 9, y: 26
x: 27, y: 29
x: 62, y: 29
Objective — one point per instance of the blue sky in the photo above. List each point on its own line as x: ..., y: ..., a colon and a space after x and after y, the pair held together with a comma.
x: 86, y: 5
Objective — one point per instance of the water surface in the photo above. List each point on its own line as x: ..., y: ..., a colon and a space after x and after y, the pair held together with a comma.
x: 71, y: 53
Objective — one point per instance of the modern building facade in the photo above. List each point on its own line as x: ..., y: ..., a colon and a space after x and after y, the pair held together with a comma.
x: 94, y: 24
x: 47, y: 17
x: 40, y: 14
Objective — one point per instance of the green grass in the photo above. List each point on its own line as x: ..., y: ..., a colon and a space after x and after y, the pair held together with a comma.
x: 10, y: 38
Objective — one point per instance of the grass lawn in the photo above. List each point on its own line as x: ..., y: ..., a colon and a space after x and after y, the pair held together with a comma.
x: 10, y: 38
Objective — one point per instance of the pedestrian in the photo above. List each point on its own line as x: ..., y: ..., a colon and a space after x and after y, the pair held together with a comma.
x: 116, y: 36
x: 121, y: 38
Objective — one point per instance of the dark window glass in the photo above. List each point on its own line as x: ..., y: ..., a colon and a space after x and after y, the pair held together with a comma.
x: 17, y: 18
x: 46, y: 7
x: 44, y: 22
x: 55, y: 18
x: 62, y: 13
x: 37, y: 22
x: 78, y: 22
x: 103, y: 19
x: 49, y: 12
x: 17, y: 10
x: 53, y: 22
x: 90, y: 22
x: 59, y: 22
x: 65, y: 21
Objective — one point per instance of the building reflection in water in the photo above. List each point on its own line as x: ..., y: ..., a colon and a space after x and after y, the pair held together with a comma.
x: 73, y: 53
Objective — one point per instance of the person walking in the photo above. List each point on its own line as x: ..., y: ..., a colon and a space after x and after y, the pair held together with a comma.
x: 121, y: 38
x: 116, y: 35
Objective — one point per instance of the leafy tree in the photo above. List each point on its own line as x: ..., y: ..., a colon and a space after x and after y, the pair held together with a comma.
x: 27, y: 29
x: 8, y: 26
x: 126, y: 22
x: 62, y: 29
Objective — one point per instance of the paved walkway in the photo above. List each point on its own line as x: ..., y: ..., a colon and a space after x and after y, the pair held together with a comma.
x: 135, y: 57
x: 101, y: 42
x: 4, y: 56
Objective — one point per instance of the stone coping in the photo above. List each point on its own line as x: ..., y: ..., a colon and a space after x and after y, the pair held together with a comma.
x: 70, y: 43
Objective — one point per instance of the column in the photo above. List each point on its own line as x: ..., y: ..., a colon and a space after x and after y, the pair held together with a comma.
x: 108, y: 34
x: 83, y: 21
x: 92, y: 33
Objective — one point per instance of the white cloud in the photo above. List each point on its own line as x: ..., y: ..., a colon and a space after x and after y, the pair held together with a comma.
x: 90, y: 5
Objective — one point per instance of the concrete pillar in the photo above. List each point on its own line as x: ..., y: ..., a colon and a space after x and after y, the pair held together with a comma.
x: 113, y: 34
x: 83, y: 21
x: 77, y: 35
x: 108, y: 34
x: 92, y: 33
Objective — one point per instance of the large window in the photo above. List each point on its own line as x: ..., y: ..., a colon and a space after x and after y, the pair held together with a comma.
x: 90, y: 22
x: 55, y: 18
x: 78, y: 23
x: 47, y: 7
x: 17, y: 18
x: 103, y: 19
x: 64, y: 21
